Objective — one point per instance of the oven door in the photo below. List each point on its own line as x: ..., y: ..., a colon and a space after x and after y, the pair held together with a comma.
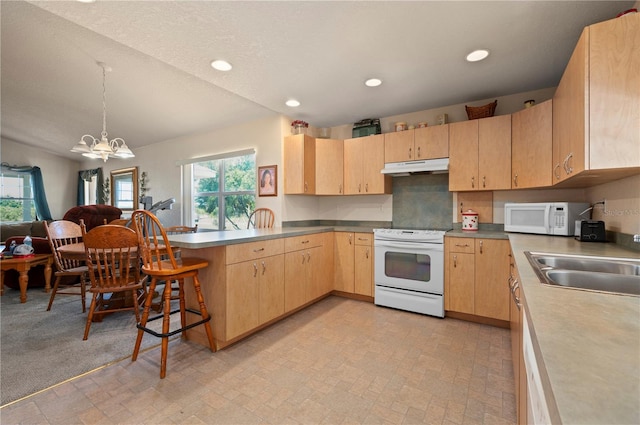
x: 410, y: 265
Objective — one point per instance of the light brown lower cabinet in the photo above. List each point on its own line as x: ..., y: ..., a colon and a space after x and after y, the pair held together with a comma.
x: 354, y: 263
x: 516, y: 311
x: 476, y: 272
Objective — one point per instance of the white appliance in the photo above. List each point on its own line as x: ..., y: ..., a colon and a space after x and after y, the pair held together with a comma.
x: 544, y: 218
x: 409, y: 270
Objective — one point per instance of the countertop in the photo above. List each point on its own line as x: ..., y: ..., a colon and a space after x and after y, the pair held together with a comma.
x: 587, y: 344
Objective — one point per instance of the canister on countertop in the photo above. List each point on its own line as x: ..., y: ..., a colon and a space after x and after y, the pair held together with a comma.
x: 469, y: 221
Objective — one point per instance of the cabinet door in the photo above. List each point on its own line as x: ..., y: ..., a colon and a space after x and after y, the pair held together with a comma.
x: 570, y: 114
x: 363, y: 270
x: 344, y: 257
x: 353, y: 166
x: 271, y: 271
x: 372, y: 157
x: 463, y: 156
x: 461, y: 282
x: 492, y: 273
x: 531, y: 147
x: 317, y: 273
x: 329, y: 166
x: 398, y: 146
x: 243, y: 308
x: 432, y: 142
x: 299, y: 164
x: 295, y: 279
x: 494, y: 153
x: 614, y: 109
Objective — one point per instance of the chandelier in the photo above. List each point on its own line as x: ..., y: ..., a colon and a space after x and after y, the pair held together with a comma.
x: 103, y: 148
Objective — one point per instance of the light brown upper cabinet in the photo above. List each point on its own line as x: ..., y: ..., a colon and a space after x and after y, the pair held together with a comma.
x: 480, y: 154
x: 596, y: 107
x: 313, y: 166
x: 415, y: 144
x: 531, y: 146
x: 363, y: 160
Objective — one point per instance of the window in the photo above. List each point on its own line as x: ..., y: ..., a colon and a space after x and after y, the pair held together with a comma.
x: 16, y: 197
x: 223, y: 191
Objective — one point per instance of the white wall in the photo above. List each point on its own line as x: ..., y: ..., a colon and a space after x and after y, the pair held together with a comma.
x: 60, y: 174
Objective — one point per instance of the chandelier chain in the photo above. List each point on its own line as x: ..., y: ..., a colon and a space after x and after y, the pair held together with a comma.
x: 104, y: 101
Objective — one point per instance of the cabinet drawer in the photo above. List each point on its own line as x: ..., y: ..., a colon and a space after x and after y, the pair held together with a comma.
x: 253, y: 250
x: 364, y: 239
x: 463, y: 245
x: 297, y: 243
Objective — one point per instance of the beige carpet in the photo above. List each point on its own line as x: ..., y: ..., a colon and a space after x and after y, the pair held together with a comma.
x: 40, y: 348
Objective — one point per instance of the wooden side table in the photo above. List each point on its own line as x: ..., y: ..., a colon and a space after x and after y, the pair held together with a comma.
x: 22, y: 265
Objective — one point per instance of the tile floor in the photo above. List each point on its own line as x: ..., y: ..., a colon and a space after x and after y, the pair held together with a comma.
x: 339, y: 361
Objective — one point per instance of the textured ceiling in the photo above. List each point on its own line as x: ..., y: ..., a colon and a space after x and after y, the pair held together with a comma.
x: 320, y: 53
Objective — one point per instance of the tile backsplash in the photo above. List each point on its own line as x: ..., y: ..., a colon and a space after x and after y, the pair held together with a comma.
x: 422, y: 201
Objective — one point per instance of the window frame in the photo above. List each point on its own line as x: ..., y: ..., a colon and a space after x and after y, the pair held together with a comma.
x: 27, y: 178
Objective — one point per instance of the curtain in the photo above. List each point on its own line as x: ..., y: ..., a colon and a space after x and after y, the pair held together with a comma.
x: 86, y: 176
x: 37, y: 184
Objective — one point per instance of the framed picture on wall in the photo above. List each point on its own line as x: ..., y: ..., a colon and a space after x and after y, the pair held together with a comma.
x: 268, y: 180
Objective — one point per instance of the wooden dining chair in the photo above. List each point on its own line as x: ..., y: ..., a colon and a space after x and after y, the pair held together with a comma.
x: 261, y: 218
x: 113, y: 260
x: 160, y: 263
x: 178, y: 230
x: 121, y: 222
x: 60, y: 233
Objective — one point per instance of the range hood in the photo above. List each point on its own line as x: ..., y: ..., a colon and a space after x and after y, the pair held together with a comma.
x: 439, y: 165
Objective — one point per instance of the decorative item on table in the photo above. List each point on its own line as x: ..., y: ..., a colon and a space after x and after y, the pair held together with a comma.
x: 443, y: 119
x: 469, y: 221
x: 23, y: 250
x: 366, y: 127
x: 299, y: 127
x: 485, y: 111
x: 401, y: 126
x: 422, y: 124
x: 529, y: 103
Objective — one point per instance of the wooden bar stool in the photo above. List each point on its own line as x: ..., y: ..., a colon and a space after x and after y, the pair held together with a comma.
x: 160, y: 263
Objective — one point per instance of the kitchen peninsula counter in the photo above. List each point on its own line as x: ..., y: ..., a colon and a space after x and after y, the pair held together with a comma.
x: 232, y: 237
x: 587, y: 344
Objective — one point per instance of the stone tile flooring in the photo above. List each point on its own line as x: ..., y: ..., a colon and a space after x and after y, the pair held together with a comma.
x: 339, y: 361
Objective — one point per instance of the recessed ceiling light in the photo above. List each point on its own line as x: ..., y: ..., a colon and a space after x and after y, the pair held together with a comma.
x: 221, y: 65
x: 373, y: 82
x: 477, y: 55
x: 292, y: 103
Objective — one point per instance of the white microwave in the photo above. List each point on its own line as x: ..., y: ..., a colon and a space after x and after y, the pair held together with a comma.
x: 544, y: 218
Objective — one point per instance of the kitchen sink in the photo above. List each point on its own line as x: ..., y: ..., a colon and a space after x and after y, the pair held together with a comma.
x: 604, y: 274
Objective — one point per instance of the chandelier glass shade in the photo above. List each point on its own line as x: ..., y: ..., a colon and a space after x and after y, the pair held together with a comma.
x: 103, y: 148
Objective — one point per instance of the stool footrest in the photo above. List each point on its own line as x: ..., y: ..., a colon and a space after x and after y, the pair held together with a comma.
x: 177, y: 331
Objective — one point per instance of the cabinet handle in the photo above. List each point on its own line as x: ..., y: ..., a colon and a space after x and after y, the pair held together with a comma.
x: 555, y: 171
x: 305, y: 187
x: 366, y: 187
x: 473, y: 181
x: 350, y: 235
x: 308, y: 257
x: 340, y: 188
x: 515, y: 180
x: 484, y: 181
x: 363, y: 239
x: 462, y: 245
x: 264, y: 267
x: 258, y: 250
x: 367, y: 253
x: 419, y: 155
x: 455, y: 261
x: 409, y: 153
x: 255, y: 269
x: 569, y: 167
x: 480, y: 247
x: 305, y: 242
x: 302, y: 258
x: 359, y: 187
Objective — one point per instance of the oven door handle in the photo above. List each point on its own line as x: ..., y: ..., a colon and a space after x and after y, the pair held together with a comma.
x: 405, y: 245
